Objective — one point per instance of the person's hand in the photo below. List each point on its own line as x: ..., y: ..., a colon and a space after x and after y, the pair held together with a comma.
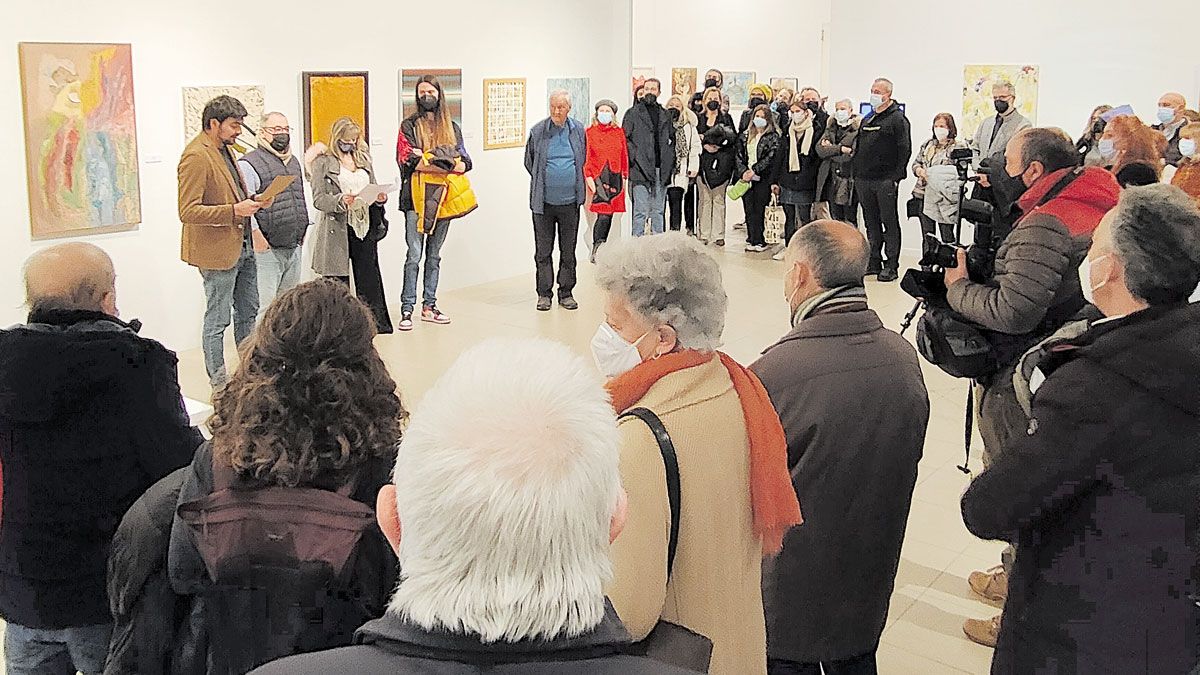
x: 460, y: 167
x: 348, y: 200
x: 775, y: 190
x: 382, y: 198
x: 246, y: 208
x: 921, y: 173
x: 748, y: 176
x: 825, y: 143
x: 264, y: 203
x: 260, y: 242
x: 416, y: 152
x: 710, y: 148
x: 953, y: 275
x: 591, y: 183
x: 692, y: 174
x: 846, y: 150
x: 983, y: 181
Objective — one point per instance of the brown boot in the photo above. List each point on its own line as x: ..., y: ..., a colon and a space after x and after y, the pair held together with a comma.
x: 983, y: 631
x: 991, y: 585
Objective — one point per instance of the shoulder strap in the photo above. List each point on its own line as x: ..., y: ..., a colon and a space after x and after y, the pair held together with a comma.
x: 671, y: 463
x: 1060, y: 186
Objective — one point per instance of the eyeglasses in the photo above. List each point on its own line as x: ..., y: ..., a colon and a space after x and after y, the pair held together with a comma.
x: 277, y: 130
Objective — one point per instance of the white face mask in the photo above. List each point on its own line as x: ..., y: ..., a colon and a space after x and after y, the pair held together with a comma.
x: 604, y: 117
x: 941, y: 133
x: 1107, y: 148
x: 614, y: 356
x: 876, y: 101
x: 760, y: 123
x: 843, y: 116
x: 1187, y: 147
x: 1085, y: 279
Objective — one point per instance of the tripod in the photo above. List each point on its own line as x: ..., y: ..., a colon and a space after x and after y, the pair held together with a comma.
x: 962, y: 196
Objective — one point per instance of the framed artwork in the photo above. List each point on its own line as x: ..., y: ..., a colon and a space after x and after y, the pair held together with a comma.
x: 977, y: 93
x: 640, y: 75
x: 683, y: 83
x: 252, y: 96
x: 503, y: 113
x: 329, y: 97
x: 737, y: 87
x: 778, y: 83
x: 449, y: 78
x: 80, y: 138
x: 580, y: 89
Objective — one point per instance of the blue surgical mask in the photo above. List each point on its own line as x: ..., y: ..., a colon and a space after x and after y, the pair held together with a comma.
x: 1166, y: 115
x: 760, y: 123
x: 604, y: 117
x: 842, y: 116
x: 876, y: 101
x: 1107, y: 148
x: 1187, y: 147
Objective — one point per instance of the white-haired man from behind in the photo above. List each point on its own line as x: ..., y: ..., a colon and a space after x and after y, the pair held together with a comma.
x: 506, y: 524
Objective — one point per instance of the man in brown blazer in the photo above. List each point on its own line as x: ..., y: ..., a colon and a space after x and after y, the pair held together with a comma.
x: 215, y: 210
x: 854, y: 408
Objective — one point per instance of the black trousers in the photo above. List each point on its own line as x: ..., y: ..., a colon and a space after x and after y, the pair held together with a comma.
x: 675, y: 196
x: 881, y: 216
x: 858, y: 665
x: 368, y: 280
x: 563, y: 222
x: 689, y: 207
x: 846, y: 213
x: 944, y: 231
x: 798, y: 215
x: 602, y: 228
x: 755, y: 203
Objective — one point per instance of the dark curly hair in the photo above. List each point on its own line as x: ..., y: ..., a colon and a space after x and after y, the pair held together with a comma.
x: 312, y: 399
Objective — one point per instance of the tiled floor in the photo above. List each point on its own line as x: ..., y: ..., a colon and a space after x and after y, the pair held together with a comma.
x: 924, y: 633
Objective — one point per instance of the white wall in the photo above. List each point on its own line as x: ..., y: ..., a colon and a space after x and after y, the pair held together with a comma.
x: 180, y: 44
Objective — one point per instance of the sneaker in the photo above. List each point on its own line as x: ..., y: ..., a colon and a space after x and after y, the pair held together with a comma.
x: 406, y: 322
x: 544, y: 304
x: 888, y: 276
x: 983, y: 631
x: 755, y: 248
x: 719, y: 242
x: 434, y: 315
x: 568, y: 303
x: 990, y: 585
x: 779, y: 255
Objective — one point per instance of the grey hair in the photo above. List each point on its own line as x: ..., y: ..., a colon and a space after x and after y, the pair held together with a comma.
x: 833, y: 262
x: 1156, y: 234
x: 884, y: 80
x: 668, y: 279
x: 1006, y: 85
x: 561, y: 93
x: 846, y: 101
x: 262, y: 122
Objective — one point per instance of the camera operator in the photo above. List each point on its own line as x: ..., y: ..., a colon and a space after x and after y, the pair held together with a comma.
x: 1089, y: 141
x: 1034, y: 288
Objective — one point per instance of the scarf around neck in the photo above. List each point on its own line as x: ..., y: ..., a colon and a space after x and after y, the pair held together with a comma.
x: 837, y: 298
x: 772, y: 496
x: 805, y: 131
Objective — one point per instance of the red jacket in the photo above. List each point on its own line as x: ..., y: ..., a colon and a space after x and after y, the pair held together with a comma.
x: 1081, y: 205
x: 606, y: 145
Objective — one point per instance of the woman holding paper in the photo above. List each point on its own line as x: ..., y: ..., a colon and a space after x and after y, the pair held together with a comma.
x: 350, y: 228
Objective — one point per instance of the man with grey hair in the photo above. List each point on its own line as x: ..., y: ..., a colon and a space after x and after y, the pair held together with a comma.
x: 502, y: 527
x: 1100, y: 490
x: 994, y: 133
x: 881, y: 157
x: 277, y: 231
x: 853, y: 449
x: 554, y: 157
x: 90, y: 416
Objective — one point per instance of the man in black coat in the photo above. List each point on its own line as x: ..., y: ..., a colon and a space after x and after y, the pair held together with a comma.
x: 1100, y: 493
x: 880, y: 163
x: 651, y: 139
x: 853, y: 450
x: 90, y: 416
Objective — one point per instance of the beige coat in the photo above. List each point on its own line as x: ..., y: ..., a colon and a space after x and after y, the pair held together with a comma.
x: 715, y: 588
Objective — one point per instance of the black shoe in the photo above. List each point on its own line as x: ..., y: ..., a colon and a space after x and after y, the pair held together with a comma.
x: 888, y: 276
x: 544, y: 304
x: 568, y: 303
x: 872, y: 272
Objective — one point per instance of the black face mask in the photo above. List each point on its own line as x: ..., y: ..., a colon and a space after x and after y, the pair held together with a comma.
x: 650, y: 99
x: 710, y: 83
x: 673, y: 114
x: 427, y: 103
x: 280, y: 142
x: 1008, y: 189
x: 713, y: 105
x: 757, y: 101
x: 1001, y: 106
x: 346, y: 148
x: 813, y: 106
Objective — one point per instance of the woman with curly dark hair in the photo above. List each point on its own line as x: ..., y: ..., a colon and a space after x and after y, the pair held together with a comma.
x: 303, y: 437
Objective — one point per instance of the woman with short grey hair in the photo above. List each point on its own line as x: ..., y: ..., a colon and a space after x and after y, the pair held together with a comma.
x: 664, y: 314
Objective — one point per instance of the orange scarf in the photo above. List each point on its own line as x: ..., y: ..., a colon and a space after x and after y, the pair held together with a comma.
x: 772, y: 496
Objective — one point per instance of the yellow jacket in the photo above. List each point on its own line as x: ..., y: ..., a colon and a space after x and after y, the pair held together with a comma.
x: 440, y: 196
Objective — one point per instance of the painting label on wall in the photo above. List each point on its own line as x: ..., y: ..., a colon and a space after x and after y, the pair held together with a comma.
x: 683, y: 83
x: 80, y: 138
x: 252, y: 96
x: 737, y: 87
x: 329, y: 97
x: 977, y: 93
x: 580, y: 89
x: 503, y: 113
x: 449, y: 78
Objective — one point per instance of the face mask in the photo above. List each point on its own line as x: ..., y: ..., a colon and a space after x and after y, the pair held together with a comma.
x: 650, y: 99
x: 813, y: 106
x: 774, y: 106
x: 1187, y: 147
x: 280, y: 142
x: 346, y: 148
x: 1001, y: 106
x: 876, y: 101
x: 1085, y: 279
x: 757, y: 101
x: 1108, y: 148
x: 428, y: 103
x: 604, y: 117
x: 710, y: 83
x: 1166, y: 115
x: 760, y: 123
x: 614, y: 356
x: 673, y: 114
x: 941, y: 133
x: 842, y: 116
x: 1008, y: 188
x: 713, y: 105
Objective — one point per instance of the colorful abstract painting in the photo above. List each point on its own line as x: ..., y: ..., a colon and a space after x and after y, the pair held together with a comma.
x: 977, y: 93
x: 683, y: 83
x: 737, y: 87
x: 580, y: 89
x: 80, y: 138
x: 449, y: 78
x: 329, y: 97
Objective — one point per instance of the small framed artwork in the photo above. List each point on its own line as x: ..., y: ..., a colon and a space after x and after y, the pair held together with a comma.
x: 780, y: 83
x: 503, y: 113
x: 683, y: 83
x: 329, y: 96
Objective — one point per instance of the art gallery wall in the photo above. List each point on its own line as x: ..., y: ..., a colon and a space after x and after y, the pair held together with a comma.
x: 176, y: 45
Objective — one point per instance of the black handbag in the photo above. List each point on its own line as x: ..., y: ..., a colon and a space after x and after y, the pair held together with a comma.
x: 378, y: 223
x: 671, y: 643
x: 915, y: 206
x: 608, y: 185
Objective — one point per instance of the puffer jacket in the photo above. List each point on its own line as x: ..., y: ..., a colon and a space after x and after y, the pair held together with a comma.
x: 439, y: 197
x: 768, y: 145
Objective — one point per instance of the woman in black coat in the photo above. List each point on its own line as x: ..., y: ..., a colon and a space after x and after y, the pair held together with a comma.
x: 756, y: 165
x: 797, y: 166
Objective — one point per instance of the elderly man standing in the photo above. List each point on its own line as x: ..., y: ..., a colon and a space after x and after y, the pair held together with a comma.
x: 277, y: 232
x: 215, y: 207
x: 884, y: 147
x: 554, y: 157
x: 1100, y: 491
x: 1170, y: 122
x: 502, y: 526
x: 994, y: 133
x: 853, y: 449
x: 90, y: 416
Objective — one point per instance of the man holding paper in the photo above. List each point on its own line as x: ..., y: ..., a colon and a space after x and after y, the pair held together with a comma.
x: 277, y: 232
x: 215, y: 208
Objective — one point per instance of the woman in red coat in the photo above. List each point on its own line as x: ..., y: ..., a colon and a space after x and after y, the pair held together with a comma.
x: 607, y: 156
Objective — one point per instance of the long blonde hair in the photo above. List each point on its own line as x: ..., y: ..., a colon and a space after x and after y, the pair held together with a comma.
x: 345, y: 128
x: 441, y: 130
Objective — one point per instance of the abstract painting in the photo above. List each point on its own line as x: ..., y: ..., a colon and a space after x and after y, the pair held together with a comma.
x: 737, y: 87
x: 449, y: 78
x: 683, y: 83
x: 580, y: 89
x: 80, y: 138
x: 252, y: 96
x: 778, y: 83
x: 977, y: 93
x: 503, y: 113
x: 329, y: 97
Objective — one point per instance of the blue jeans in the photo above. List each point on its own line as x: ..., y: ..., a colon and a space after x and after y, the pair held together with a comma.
x: 56, y: 651
x: 431, y: 247
x: 278, y: 269
x: 235, y: 288
x: 649, y: 202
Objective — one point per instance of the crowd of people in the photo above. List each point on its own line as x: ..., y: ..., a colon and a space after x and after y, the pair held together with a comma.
x: 667, y: 510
